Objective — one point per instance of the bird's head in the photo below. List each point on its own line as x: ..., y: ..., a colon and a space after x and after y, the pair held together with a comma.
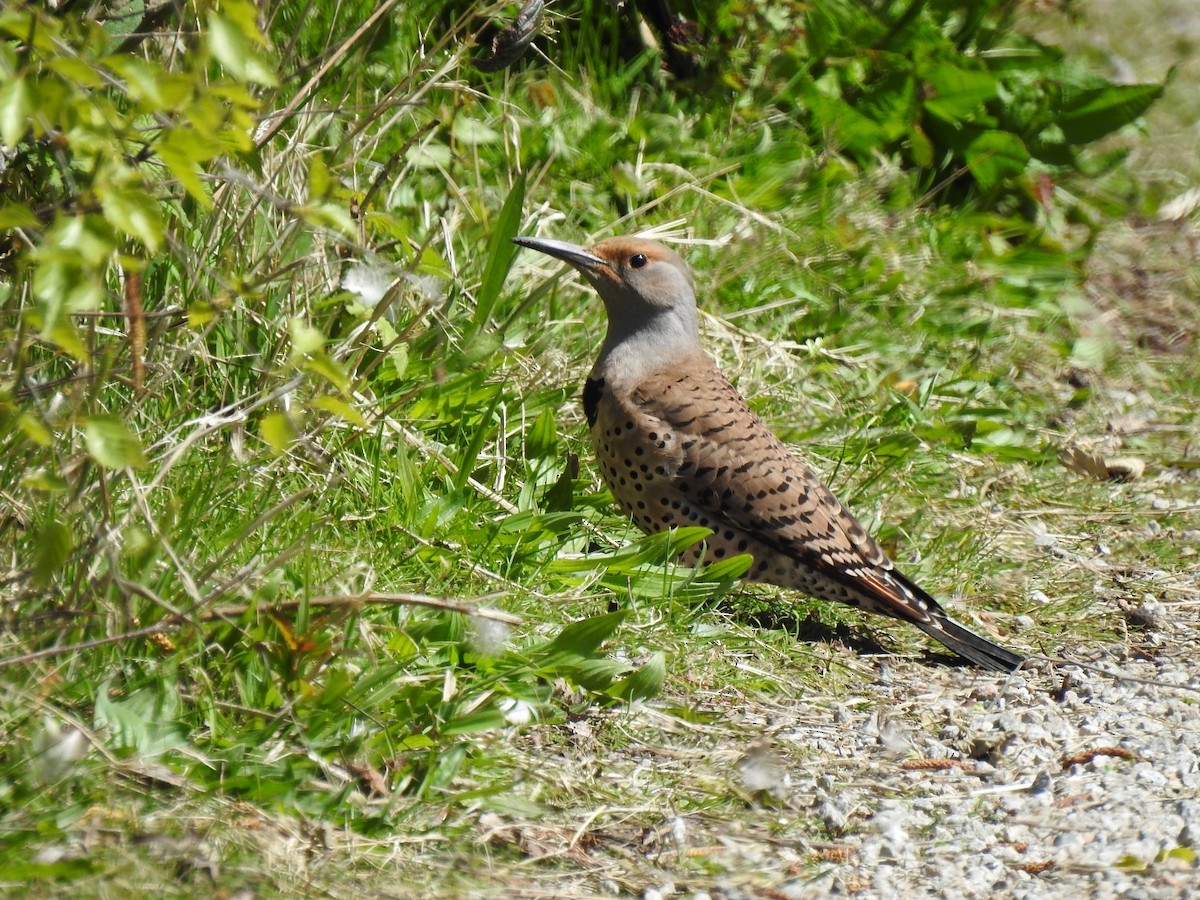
x: 633, y: 276
x: 646, y: 287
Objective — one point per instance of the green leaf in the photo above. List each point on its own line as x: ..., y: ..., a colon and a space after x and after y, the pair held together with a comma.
x: 1185, y: 854
x: 51, y: 550
x: 308, y: 348
x: 1085, y: 116
x: 560, y: 496
x: 541, y: 441
x: 35, y: 429
x: 278, y: 431
x: 324, y: 365
x: 16, y: 106
x: 588, y: 672
x: 154, y: 88
x: 920, y: 147
x: 145, y: 721
x: 472, y: 132
x: 479, y: 434
x: 305, y: 339
x: 1092, y: 352
x: 1131, y: 863
x: 824, y: 27
x: 442, y: 773
x: 729, y: 569
x: 650, y: 549
x: 127, y: 23
x: 398, y: 359
x: 958, y: 95
x: 64, y: 871
x: 643, y: 684
x: 110, y: 443
x: 995, y: 156
x: 45, y: 481
x: 848, y: 128
x: 84, y: 240
x: 182, y: 151
x: 341, y: 409
x: 500, y: 253
x: 17, y: 215
x: 232, y: 43
x: 585, y: 636
x: 487, y: 719
x: 131, y: 210
x: 320, y: 181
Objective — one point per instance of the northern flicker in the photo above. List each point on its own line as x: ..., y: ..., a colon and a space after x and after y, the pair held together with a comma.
x: 678, y: 445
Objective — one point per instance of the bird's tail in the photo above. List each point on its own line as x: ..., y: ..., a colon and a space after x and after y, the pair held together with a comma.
x: 910, y: 603
x: 969, y: 645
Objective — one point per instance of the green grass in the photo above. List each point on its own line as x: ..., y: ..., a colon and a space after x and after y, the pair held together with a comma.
x: 259, y: 714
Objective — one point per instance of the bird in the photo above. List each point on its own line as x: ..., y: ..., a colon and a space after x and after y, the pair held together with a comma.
x: 678, y: 445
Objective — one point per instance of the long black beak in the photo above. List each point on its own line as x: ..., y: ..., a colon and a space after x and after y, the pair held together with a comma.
x: 573, y: 254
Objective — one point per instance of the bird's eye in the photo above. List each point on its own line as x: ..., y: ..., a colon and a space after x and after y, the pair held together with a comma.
x: 638, y: 260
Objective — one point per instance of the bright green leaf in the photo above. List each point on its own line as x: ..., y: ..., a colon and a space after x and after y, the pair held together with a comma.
x: 45, y: 481
x: 127, y: 23
x: 728, y: 569
x: 322, y: 364
x: 488, y: 719
x: 586, y: 635
x: 995, y: 156
x: 341, y: 409
x: 920, y: 147
x: 51, y: 549
x: 1088, y: 115
x: 305, y: 339
x: 590, y: 673
x: 35, y: 429
x: 88, y: 240
x: 320, y: 182
x: 16, y: 215
x: 182, y: 151
x: 643, y: 684
x: 500, y: 253
x: 1184, y: 854
x: 445, y: 768
x: 230, y: 42
x: 473, y: 132
x: 278, y: 431
x: 541, y: 440
x: 200, y: 314
x: 131, y: 210
x: 110, y: 443
x: 16, y: 106
x: 957, y: 95
x: 1091, y: 352
x: 145, y: 721
x: 398, y: 357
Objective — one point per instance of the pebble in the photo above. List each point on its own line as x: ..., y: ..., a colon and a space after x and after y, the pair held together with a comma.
x: 1022, y: 822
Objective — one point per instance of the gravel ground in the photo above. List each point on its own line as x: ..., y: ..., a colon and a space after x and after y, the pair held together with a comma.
x: 1084, y: 784
x: 1063, y: 781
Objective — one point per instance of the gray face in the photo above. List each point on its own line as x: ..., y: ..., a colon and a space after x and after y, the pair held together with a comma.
x: 635, y: 277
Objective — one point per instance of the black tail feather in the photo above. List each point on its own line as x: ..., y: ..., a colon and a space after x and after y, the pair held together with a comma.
x: 970, y: 645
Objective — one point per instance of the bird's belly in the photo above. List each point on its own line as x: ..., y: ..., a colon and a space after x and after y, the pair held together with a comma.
x: 640, y: 473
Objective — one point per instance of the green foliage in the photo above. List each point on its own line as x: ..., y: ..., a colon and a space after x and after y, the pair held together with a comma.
x: 189, y: 410
x: 954, y: 88
x: 950, y: 85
